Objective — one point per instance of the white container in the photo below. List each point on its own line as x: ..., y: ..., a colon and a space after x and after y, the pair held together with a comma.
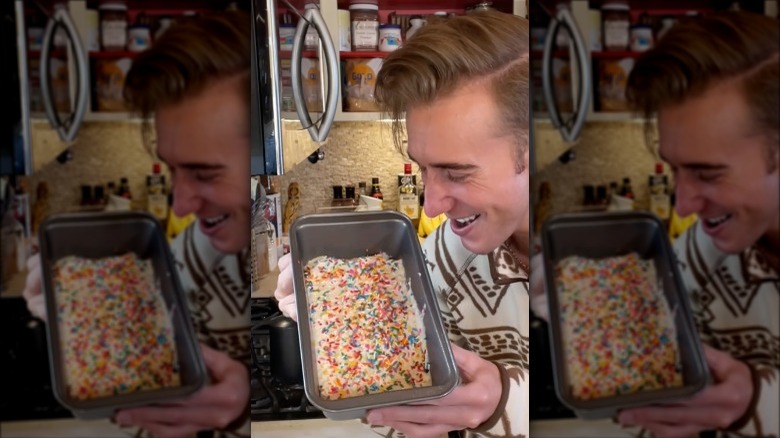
x: 345, y: 34
x: 641, y: 38
x: 389, y: 37
x: 415, y: 25
x: 286, y: 36
x: 139, y: 38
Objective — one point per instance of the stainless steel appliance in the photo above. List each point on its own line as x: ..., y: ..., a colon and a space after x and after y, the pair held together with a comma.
x: 15, y: 141
x: 563, y: 21
x: 268, y: 113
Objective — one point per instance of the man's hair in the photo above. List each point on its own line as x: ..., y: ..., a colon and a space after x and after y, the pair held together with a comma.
x: 188, y: 58
x: 446, y: 55
x: 694, y: 56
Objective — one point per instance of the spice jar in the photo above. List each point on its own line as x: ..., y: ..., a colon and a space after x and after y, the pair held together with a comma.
x: 113, y: 26
x: 364, y: 17
x: 615, y: 23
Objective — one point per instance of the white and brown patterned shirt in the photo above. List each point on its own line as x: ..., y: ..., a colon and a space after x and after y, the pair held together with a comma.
x: 736, y: 306
x: 218, y: 288
x: 484, y: 305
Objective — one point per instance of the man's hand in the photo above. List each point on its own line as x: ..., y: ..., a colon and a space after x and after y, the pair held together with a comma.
x: 33, y: 293
x: 215, y: 406
x: 468, y: 406
x: 284, y: 288
x: 716, y: 407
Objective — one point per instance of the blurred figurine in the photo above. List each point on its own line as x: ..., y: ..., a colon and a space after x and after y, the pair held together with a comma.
x: 291, y: 209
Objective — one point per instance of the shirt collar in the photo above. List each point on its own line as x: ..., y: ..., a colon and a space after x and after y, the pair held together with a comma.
x: 504, y: 267
x: 756, y: 267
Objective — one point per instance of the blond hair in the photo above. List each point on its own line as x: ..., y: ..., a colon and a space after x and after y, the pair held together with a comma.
x: 188, y: 58
x: 443, y: 56
x: 694, y: 56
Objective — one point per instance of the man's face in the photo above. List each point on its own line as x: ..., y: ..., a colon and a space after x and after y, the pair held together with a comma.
x: 470, y: 168
x: 720, y: 167
x: 205, y: 142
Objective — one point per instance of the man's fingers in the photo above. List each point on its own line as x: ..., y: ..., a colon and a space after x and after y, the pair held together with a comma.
x: 288, y: 307
x: 468, y: 363
x: 284, y: 262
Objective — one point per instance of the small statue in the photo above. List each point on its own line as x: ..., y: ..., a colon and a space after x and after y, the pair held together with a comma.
x: 40, y: 208
x: 291, y: 208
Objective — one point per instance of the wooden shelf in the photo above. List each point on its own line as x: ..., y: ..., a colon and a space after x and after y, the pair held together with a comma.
x: 615, y: 55
x: 114, y: 55
x: 348, y: 55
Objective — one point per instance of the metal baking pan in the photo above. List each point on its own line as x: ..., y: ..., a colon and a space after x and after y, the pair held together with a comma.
x: 349, y: 235
x: 98, y: 235
x: 603, y: 235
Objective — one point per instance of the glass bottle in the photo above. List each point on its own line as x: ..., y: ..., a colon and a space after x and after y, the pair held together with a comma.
x: 338, y: 196
x: 349, y: 196
x: 408, y: 203
x: 376, y: 191
x: 124, y: 188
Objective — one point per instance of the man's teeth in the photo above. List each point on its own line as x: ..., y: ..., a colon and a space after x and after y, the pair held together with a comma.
x: 214, y: 220
x: 714, y: 222
x: 466, y: 220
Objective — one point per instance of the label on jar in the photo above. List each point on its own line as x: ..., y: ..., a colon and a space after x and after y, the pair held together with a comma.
x: 365, y: 35
x: 114, y: 34
x: 616, y: 36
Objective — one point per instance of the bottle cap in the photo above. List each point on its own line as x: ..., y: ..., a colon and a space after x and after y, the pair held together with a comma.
x: 156, y: 168
x: 374, y: 180
x: 407, y: 168
x: 659, y: 167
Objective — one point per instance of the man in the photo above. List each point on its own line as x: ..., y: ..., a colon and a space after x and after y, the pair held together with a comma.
x: 714, y: 84
x: 195, y: 82
x: 463, y: 86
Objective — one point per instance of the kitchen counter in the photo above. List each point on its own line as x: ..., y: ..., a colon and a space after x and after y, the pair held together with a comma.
x: 322, y: 428
x: 65, y: 428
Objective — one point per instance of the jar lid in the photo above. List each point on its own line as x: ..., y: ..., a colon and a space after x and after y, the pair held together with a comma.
x: 390, y: 26
x: 615, y: 6
x: 113, y: 6
x: 364, y: 6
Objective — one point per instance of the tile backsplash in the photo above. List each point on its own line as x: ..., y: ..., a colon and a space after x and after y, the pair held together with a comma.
x: 605, y: 152
x: 106, y: 151
x: 355, y: 151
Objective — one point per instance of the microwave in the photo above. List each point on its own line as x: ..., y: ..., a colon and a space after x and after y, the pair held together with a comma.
x: 280, y: 101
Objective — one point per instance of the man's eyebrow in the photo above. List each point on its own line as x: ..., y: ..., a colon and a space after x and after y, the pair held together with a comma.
x: 201, y: 166
x: 696, y: 165
x: 446, y: 165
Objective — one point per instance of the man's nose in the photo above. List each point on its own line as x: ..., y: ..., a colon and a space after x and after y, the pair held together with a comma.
x: 186, y: 199
x: 688, y: 199
x: 437, y: 198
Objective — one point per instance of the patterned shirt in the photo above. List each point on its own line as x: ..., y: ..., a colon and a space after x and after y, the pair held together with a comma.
x: 218, y: 288
x: 484, y: 304
x: 736, y: 306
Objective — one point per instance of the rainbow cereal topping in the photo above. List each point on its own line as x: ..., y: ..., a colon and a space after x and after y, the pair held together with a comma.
x: 366, y: 329
x: 618, y: 332
x: 115, y: 331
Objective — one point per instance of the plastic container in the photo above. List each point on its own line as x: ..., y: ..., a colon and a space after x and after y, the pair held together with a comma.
x: 389, y: 37
x: 373, y: 232
x: 286, y: 36
x: 602, y: 235
x: 110, y: 234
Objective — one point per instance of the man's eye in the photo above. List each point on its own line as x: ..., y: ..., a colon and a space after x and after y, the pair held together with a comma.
x: 205, y: 176
x: 707, y: 175
x: 455, y: 177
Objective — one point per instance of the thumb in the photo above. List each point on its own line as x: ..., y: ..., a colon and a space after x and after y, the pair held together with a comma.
x: 719, y: 362
x: 468, y: 362
x: 217, y: 362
